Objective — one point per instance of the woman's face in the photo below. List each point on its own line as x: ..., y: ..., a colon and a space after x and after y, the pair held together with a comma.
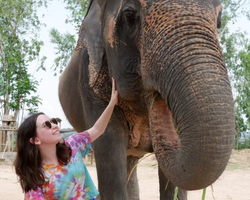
x: 46, y: 135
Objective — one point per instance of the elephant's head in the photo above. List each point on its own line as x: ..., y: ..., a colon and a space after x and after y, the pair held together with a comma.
x: 167, y: 52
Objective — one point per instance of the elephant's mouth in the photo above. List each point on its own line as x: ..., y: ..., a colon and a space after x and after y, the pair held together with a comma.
x: 162, y: 127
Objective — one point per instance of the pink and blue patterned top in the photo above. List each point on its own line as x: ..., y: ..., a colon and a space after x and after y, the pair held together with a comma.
x: 71, y: 181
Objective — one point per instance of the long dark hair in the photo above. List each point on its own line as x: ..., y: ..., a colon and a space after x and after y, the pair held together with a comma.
x: 28, y: 162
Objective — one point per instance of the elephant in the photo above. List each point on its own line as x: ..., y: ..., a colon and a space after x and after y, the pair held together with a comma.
x: 175, y: 97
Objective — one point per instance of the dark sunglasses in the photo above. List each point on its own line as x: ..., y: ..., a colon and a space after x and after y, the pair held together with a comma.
x: 48, y: 123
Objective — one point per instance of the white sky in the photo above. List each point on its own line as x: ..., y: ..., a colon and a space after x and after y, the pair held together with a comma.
x: 55, y: 16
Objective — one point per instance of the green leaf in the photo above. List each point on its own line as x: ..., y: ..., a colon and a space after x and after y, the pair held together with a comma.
x: 203, y: 194
x: 65, y: 42
x: 175, y: 193
x: 19, y: 44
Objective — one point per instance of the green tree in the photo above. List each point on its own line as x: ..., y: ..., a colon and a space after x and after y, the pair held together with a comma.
x: 19, y: 46
x: 65, y: 42
x: 236, y: 49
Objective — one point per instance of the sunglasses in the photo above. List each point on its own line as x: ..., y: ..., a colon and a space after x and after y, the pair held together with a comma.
x: 48, y: 124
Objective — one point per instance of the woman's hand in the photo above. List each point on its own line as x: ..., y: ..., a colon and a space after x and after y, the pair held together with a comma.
x: 114, y: 94
x: 102, y: 122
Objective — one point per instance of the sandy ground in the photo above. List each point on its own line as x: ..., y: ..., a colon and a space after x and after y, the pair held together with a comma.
x: 234, y: 183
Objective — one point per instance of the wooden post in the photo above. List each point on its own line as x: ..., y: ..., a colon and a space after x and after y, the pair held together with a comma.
x: 8, y: 127
x: 4, y: 139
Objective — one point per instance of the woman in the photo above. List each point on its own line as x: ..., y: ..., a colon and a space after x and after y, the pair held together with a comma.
x: 51, y: 169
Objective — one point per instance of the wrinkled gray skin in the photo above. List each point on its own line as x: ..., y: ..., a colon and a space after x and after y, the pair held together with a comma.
x: 174, y: 94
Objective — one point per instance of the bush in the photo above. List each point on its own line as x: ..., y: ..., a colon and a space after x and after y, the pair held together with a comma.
x: 242, y: 144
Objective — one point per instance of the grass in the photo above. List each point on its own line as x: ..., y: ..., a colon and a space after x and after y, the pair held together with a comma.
x: 136, y: 166
x: 203, y: 193
x: 175, y: 193
x: 152, y: 103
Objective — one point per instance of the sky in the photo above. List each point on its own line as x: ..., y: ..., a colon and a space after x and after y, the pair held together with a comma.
x: 54, y: 17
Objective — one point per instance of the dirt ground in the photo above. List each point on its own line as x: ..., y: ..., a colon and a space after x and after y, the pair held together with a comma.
x: 234, y: 183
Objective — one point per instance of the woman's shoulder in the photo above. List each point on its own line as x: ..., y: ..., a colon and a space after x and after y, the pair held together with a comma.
x: 78, y: 139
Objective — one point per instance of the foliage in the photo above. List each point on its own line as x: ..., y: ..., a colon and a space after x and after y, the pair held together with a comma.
x: 244, y: 145
x: 19, y: 46
x: 67, y: 134
x: 236, y: 50
x: 78, y: 9
x: 64, y: 47
x: 65, y: 42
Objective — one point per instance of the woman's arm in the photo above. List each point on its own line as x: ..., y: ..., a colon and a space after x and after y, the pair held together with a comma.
x: 100, y: 125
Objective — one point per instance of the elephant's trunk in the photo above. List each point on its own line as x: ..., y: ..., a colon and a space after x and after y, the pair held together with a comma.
x: 192, y: 121
x: 194, y: 135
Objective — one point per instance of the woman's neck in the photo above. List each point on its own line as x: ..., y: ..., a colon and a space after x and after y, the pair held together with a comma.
x: 48, y: 154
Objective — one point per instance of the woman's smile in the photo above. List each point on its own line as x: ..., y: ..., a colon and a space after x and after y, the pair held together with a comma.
x: 56, y: 132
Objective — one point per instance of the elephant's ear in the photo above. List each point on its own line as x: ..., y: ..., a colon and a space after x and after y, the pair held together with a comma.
x: 90, y: 37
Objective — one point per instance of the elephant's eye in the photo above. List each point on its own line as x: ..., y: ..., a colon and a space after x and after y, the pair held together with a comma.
x: 129, y: 21
x: 129, y: 16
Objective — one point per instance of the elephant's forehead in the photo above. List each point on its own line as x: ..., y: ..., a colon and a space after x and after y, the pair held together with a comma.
x: 182, y: 11
x: 162, y: 5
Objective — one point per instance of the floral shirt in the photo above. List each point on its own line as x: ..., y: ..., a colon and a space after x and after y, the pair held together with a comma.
x: 71, y: 181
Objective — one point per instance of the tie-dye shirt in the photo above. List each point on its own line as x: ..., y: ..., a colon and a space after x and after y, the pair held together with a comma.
x: 71, y: 181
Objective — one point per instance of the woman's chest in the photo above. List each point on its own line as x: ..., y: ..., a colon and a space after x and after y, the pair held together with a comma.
x: 62, y: 180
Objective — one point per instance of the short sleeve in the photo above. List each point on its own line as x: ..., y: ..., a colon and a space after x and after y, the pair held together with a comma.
x: 80, y: 142
x: 34, y: 195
